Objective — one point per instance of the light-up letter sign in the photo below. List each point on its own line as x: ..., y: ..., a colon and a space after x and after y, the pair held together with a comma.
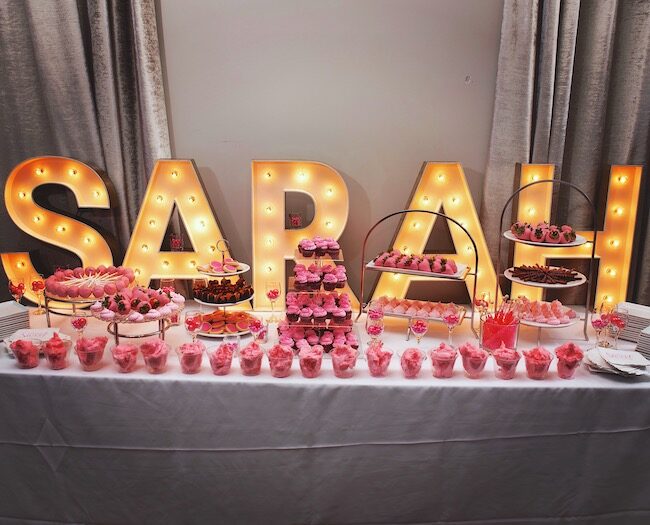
x: 272, y: 243
x: 79, y: 238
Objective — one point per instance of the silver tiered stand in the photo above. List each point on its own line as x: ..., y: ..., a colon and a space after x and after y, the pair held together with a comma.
x: 589, y: 280
x: 468, y: 271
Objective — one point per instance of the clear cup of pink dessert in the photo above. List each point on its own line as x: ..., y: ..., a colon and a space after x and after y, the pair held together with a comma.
x: 474, y: 360
x: 190, y: 356
x: 280, y: 360
x: 569, y: 356
x: 250, y: 359
x: 125, y: 357
x: 90, y: 352
x: 378, y: 358
x: 57, y: 352
x: 155, y: 352
x: 410, y: 361
x: 220, y: 355
x: 310, y: 359
x: 506, y: 360
x: 538, y: 360
x: 26, y: 352
x: 344, y: 359
x: 443, y: 359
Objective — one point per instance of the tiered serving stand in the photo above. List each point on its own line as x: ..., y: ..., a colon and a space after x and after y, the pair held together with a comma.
x: 580, y: 240
x: 460, y: 275
x: 224, y: 247
x: 327, y: 324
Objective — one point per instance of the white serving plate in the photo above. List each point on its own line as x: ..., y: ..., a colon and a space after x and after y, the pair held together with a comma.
x: 580, y: 240
x: 580, y: 280
x: 219, y: 305
x: 461, y: 273
x: 243, y: 269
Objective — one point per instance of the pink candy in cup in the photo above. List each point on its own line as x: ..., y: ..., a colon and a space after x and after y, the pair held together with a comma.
x: 190, y: 355
x: 538, y: 360
x: 221, y: 357
x: 90, y: 352
x: 56, y: 352
x: 310, y: 359
x: 125, y: 357
x: 26, y: 352
x: 378, y: 359
x: 506, y: 360
x: 250, y: 359
x: 494, y: 333
x: 569, y: 356
x: 411, y: 362
x: 155, y: 353
x: 443, y: 359
x: 344, y: 359
x: 280, y: 360
x: 474, y: 359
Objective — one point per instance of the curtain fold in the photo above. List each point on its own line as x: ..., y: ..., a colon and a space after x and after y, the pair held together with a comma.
x: 573, y: 90
x: 82, y: 78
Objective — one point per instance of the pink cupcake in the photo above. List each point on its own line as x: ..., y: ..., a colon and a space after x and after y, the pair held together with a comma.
x: 293, y: 314
x: 306, y: 315
x: 338, y: 316
x: 329, y: 282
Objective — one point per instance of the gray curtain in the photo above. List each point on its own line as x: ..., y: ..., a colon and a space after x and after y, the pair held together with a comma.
x: 573, y: 90
x: 82, y: 78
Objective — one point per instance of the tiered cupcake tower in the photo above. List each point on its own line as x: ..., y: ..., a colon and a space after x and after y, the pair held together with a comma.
x: 556, y: 278
x: 227, y: 268
x: 457, y: 272
x: 315, y: 309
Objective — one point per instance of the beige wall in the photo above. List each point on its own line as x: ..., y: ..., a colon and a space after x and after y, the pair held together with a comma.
x: 372, y: 87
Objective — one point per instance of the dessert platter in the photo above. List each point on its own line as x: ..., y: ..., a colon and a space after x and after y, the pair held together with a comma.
x: 545, y: 276
x: 88, y: 284
x: 428, y: 265
x: 138, y: 305
x: 222, y: 292
x: 298, y: 336
x: 221, y: 323
x: 315, y: 277
x: 544, y: 234
x: 224, y: 268
x: 318, y: 247
x: 80, y: 287
x: 319, y: 309
x: 408, y: 308
x: 544, y: 314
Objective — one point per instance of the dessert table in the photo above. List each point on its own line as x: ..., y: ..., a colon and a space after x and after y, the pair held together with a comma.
x: 104, y: 447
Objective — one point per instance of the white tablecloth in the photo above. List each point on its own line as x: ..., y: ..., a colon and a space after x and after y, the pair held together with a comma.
x: 104, y: 447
